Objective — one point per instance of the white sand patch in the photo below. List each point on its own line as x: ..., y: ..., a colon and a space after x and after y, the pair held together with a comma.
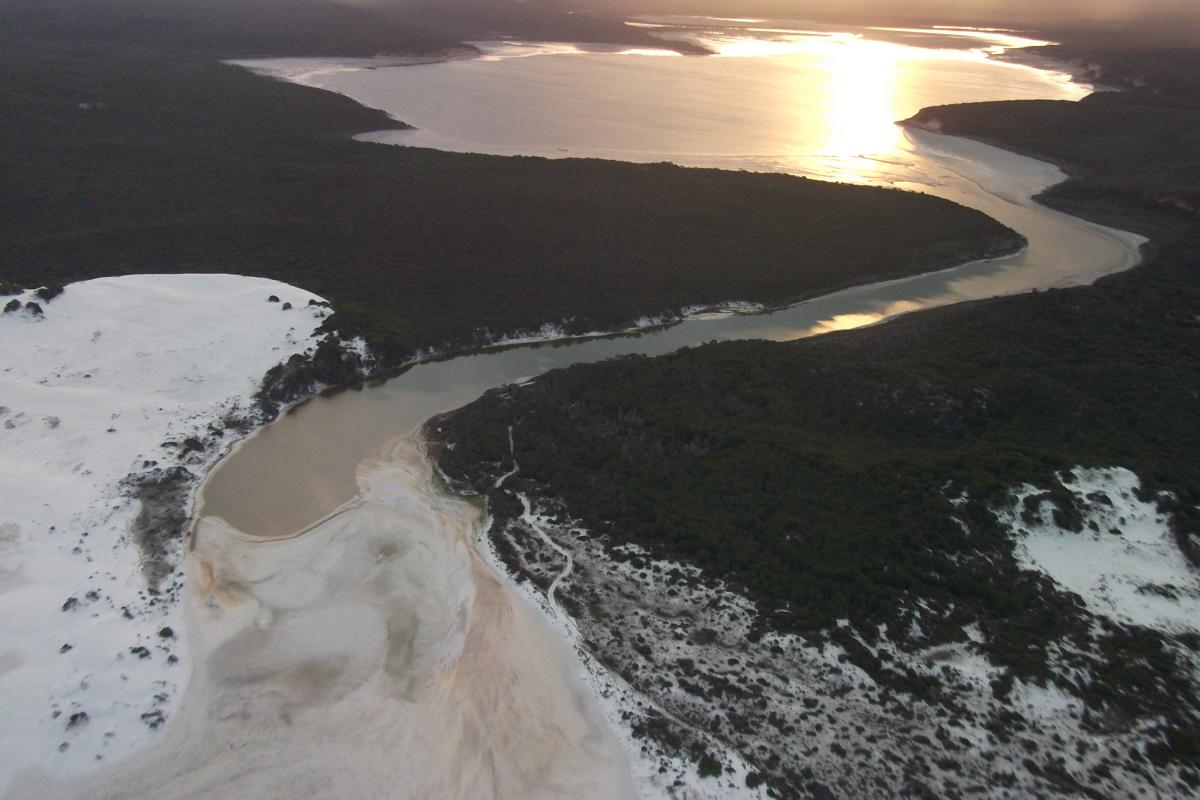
x: 561, y: 331
x: 667, y: 775
x: 89, y: 393
x: 672, y: 775
x: 373, y: 656
x: 1125, y: 564
x: 678, y: 649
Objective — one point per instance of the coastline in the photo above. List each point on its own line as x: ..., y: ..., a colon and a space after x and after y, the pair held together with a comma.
x: 549, y: 336
x: 554, y: 336
x: 1028, y: 56
x: 551, y: 618
x: 497, y: 345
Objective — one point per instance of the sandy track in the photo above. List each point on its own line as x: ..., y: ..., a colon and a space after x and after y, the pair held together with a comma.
x: 374, y: 656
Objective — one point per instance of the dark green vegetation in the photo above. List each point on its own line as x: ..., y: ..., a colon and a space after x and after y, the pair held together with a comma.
x: 819, y: 475
x: 221, y: 27
x: 1134, y: 155
x: 123, y: 159
x: 309, y: 27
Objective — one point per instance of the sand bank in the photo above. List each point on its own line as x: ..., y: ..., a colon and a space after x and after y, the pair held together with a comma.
x: 374, y: 656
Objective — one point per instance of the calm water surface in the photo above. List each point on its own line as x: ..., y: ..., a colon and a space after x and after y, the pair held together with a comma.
x: 810, y: 102
x: 775, y: 98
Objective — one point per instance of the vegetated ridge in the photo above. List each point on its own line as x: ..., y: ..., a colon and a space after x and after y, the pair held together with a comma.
x: 125, y: 158
x: 857, y: 483
x: 1133, y: 155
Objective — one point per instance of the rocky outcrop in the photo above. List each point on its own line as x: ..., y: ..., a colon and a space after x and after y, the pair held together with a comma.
x: 332, y: 363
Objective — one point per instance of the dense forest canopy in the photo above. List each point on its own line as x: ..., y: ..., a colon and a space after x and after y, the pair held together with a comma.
x: 125, y: 156
x: 851, y: 476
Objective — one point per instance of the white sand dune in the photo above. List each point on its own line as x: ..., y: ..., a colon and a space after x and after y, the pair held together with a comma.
x: 95, y: 388
x: 376, y: 655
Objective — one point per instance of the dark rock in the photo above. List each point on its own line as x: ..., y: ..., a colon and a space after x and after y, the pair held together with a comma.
x: 33, y: 308
x: 11, y: 306
x: 65, y: 648
x: 48, y: 293
x: 273, y: 299
x: 287, y: 306
x: 77, y: 719
x: 71, y: 604
x: 166, y: 633
x: 140, y: 652
x: 300, y: 376
x: 153, y: 718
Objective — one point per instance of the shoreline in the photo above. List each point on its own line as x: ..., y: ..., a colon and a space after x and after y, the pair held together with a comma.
x: 1025, y: 55
x: 380, y: 634
x: 479, y: 534
x: 551, y: 339
x: 550, y: 335
x: 495, y: 346
x: 666, y: 321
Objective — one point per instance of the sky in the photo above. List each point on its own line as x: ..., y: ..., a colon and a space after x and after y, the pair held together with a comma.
x: 1013, y: 10
x: 1147, y: 16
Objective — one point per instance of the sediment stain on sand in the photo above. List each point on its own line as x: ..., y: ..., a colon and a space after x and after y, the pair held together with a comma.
x: 375, y: 655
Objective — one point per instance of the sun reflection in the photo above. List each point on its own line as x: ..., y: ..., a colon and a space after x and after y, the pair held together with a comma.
x: 858, y: 110
x: 845, y: 322
x: 860, y: 102
x: 869, y: 84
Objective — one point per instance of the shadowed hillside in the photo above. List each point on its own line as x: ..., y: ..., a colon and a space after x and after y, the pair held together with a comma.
x: 844, y: 481
x: 124, y: 159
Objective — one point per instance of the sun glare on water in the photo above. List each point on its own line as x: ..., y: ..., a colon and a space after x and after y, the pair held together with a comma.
x: 867, y: 85
x: 845, y: 322
x: 860, y: 107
